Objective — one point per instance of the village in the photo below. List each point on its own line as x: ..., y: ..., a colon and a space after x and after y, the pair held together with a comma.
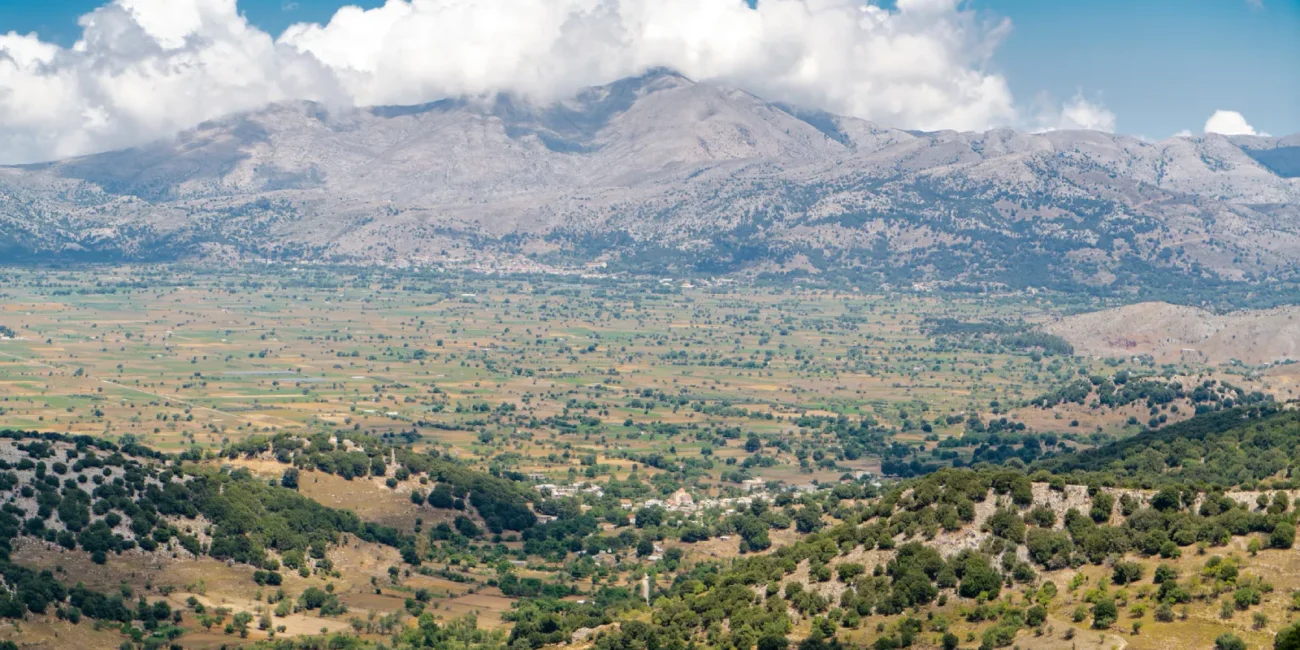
x: 681, y: 502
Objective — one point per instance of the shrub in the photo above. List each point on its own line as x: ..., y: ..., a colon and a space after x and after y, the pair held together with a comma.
x: 1229, y: 641
x: 1104, y: 613
x: 1127, y: 573
x: 1283, y: 536
x: 1165, y: 613
x: 1288, y: 638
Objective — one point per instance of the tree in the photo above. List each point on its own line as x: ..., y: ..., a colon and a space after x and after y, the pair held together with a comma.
x: 1035, y: 616
x: 241, y: 621
x: 290, y: 478
x: 849, y: 570
x: 1167, y: 499
x: 979, y: 578
x: 1165, y: 573
x: 1127, y: 573
x: 773, y: 642
x: 1288, y: 638
x: 650, y: 516
x: 912, y: 587
x: 1281, y: 503
x: 1283, y: 536
x: 808, y: 519
x: 1165, y: 613
x: 754, y: 532
x: 1102, y: 506
x: 1104, y: 613
x: 1007, y: 525
x: 466, y: 526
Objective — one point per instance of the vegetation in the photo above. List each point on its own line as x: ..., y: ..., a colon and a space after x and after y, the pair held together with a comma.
x: 93, y: 488
x: 501, y: 464
x: 1240, y: 447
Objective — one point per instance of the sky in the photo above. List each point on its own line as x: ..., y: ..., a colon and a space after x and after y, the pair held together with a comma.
x: 78, y: 76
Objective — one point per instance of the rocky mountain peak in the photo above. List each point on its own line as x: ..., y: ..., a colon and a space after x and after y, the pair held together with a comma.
x: 659, y: 167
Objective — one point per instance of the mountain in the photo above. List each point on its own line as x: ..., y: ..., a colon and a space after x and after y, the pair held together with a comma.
x: 658, y: 173
x: 1173, y: 333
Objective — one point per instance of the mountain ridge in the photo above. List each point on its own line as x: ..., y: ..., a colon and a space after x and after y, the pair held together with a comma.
x: 659, y: 173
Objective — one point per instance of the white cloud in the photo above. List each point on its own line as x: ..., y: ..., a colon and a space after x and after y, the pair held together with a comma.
x: 144, y: 69
x: 1228, y: 123
x: 920, y: 66
x: 1079, y: 113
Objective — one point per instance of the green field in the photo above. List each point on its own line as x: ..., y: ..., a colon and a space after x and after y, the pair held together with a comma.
x: 179, y: 358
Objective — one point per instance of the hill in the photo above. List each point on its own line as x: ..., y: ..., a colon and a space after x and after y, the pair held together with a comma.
x: 996, y: 557
x: 661, y: 174
x: 1174, y: 537
x: 1230, y: 448
x: 1172, y: 333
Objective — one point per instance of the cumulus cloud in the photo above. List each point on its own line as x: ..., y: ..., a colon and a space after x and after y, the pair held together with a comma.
x: 1229, y: 123
x: 144, y: 69
x: 921, y: 65
x: 1078, y: 113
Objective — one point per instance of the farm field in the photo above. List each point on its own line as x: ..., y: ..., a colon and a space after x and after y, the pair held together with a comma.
x: 179, y: 359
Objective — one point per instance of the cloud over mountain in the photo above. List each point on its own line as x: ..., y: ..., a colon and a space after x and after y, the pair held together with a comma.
x: 144, y: 69
x: 1228, y: 123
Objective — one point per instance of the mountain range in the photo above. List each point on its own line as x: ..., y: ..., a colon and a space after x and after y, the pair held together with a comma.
x: 660, y: 174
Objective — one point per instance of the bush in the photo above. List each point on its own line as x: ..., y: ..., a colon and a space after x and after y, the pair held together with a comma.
x: 267, y: 578
x: 1283, y: 536
x: 849, y: 570
x: 1165, y: 573
x: 1229, y: 641
x: 1126, y: 573
x: 1104, y: 613
x: 1165, y: 613
x: 1000, y: 635
x: 1288, y: 638
x: 1035, y: 616
x: 980, y: 578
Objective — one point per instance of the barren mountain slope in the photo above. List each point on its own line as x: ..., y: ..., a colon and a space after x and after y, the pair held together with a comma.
x: 1169, y: 332
x: 658, y: 173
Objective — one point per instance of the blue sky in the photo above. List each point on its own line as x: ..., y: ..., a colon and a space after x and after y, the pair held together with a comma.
x: 1160, y: 65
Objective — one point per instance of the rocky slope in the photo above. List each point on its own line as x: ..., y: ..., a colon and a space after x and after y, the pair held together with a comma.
x: 1172, y: 332
x: 658, y: 173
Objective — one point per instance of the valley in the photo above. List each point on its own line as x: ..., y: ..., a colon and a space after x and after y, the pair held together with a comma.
x: 510, y: 457
x: 649, y: 325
